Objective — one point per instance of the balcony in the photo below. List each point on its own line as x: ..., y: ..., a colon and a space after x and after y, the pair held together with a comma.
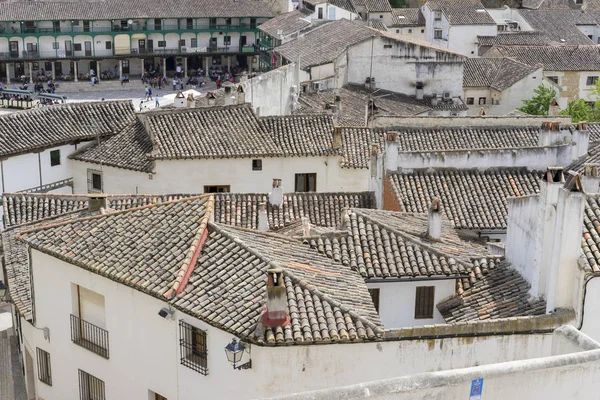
x: 89, y: 336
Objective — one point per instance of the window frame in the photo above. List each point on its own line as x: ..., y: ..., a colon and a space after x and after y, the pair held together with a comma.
x: 91, y: 187
x: 482, y: 103
x: 193, y: 347
x: 89, y: 382
x: 162, y: 43
x: 193, y: 42
x: 591, y: 80
x: 470, y: 101
x: 306, y: 182
x: 320, y: 13
x: 437, y: 15
x: 77, y: 47
x: 108, y: 45
x: 227, y: 40
x: 424, y: 302
x: 53, y: 161
x: 55, y: 46
x: 207, y: 188
x: 257, y: 165
x: 44, y: 366
x: 438, y: 34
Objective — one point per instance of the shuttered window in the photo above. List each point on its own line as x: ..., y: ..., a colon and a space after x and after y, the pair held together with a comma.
x: 424, y: 302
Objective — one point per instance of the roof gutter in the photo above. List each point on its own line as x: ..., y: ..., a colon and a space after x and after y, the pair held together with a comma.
x: 420, y: 279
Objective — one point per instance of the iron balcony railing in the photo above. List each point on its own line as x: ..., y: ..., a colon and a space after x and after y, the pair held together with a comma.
x: 89, y: 336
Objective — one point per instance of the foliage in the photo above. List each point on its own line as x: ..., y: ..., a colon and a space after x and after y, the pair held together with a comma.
x: 540, y: 102
x: 579, y: 110
x: 399, y: 3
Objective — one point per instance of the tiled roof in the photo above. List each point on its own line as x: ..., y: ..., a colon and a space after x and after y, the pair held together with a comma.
x: 383, y: 244
x: 471, y: 199
x: 522, y: 38
x: 590, y: 241
x: 239, y: 209
x: 553, y: 58
x: 592, y: 157
x: 113, y: 9
x: 45, y: 127
x: 230, y: 272
x: 378, y: 5
x: 460, y: 138
x: 301, y: 135
x: 496, y: 73
x: 343, y: 4
x: 498, y: 291
x: 407, y: 17
x: 560, y: 26
x: 128, y: 149
x: 287, y: 24
x: 324, y: 44
x: 462, y: 12
x: 594, y: 129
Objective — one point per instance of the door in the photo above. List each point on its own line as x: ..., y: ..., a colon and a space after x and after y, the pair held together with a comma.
x: 157, y: 24
x: 150, y: 45
x: 58, y: 68
x: 31, y: 49
x: 88, y: 49
x: 29, y: 26
x: 189, y: 23
x: 125, y: 66
x: 19, y: 69
x: 14, y: 49
x: 142, y: 46
x: 56, y: 26
x: 213, y: 43
x: 68, y: 48
x: 93, y: 66
x: 243, y: 40
x: 86, y: 26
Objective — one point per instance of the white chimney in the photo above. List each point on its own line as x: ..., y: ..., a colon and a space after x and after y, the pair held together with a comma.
x: 276, y: 310
x: 550, y: 134
x: 97, y: 201
x: 391, y: 151
x: 180, y: 101
x: 581, y: 139
x: 554, y: 109
x: 337, y: 138
x: 419, y: 92
x: 434, y: 221
x: 276, y: 195
x: 566, y: 248
x: 590, y: 179
x: 263, y: 219
x: 305, y: 226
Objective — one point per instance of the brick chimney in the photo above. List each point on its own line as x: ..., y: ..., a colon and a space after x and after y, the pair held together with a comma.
x: 276, y: 195
x: 96, y: 201
x: 434, y: 220
x: 337, y: 138
x: 590, y: 179
x: 391, y: 151
x: 276, y: 309
x: 263, y: 219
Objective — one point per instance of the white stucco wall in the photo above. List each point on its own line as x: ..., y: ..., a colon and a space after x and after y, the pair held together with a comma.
x: 591, y: 324
x: 397, y: 302
x: 463, y: 38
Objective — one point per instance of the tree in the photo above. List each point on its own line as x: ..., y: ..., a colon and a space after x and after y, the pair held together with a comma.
x: 399, y: 3
x: 578, y: 110
x: 540, y: 102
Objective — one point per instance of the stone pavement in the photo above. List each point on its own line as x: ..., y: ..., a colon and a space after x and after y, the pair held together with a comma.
x: 12, y: 382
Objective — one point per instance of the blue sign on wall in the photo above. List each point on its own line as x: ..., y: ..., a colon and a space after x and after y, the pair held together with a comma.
x: 476, y: 389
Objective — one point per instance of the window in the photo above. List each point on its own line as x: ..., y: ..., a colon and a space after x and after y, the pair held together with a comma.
x: 375, y: 297
x: 226, y: 40
x: 192, y: 344
x: 156, y: 396
x: 48, y: 66
x: 54, y: 45
x: 579, y: 2
x: 306, y: 183
x: 77, y: 46
x: 387, y: 46
x: 125, y: 66
x: 320, y: 13
x: 470, y: 101
x: 253, y: 23
x: 90, y: 387
x: 94, y: 181
x: 410, y: 31
x: 482, y: 101
x: 54, y: 158
x: 256, y: 165
x: 553, y: 79
x: 162, y: 43
x: 437, y: 15
x: 182, y: 42
x: 591, y: 37
x: 228, y: 21
x: 437, y: 33
x: 194, y: 42
x: 424, y: 302
x: 422, y: 30
x: 591, y: 80
x: 217, y: 189
x: 108, y: 45
x: 43, y: 366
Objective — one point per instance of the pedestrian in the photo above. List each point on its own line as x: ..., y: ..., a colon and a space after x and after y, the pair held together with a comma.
x: 218, y: 82
x: 146, y: 93
x: 182, y: 86
x: 150, y: 93
x: 200, y: 81
x: 156, y: 102
x: 159, y: 82
x: 141, y: 105
x: 174, y: 83
x: 116, y: 71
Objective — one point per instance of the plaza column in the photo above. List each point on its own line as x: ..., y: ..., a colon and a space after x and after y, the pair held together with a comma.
x: 99, y: 70
x: 30, y: 73
x: 7, y: 73
x: 121, y: 70
x: 249, y: 60
x: 229, y: 64
x: 164, y: 71
x: 208, y: 65
x: 185, y: 67
x: 53, y: 70
x: 75, y: 71
x: 142, y: 61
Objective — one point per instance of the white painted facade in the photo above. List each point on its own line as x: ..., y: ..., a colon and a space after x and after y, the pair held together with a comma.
x: 326, y: 11
x: 237, y: 173
x: 397, y: 301
x: 414, y: 32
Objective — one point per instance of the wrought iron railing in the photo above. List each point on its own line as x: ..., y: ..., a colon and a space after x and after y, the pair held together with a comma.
x: 89, y: 336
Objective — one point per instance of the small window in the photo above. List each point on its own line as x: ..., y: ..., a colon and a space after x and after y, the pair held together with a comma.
x: 591, y: 37
x: 482, y: 101
x: 192, y: 344
x: 387, y: 46
x: 591, y: 80
x: 410, y: 31
x: 194, y: 42
x: 398, y: 30
x: 578, y: 2
x: 217, y: 189
x: 424, y: 302
x: 48, y: 66
x: 256, y: 165
x: 226, y: 40
x: 422, y: 30
x: 77, y: 46
x: 182, y: 42
x: 306, y: 183
x: 54, y: 158
x: 54, y: 45
x: 156, y: 396
x: 470, y: 101
x: 43, y: 365
x: 437, y: 15
x: 162, y: 43
x: 228, y: 21
x: 320, y: 13
x: 90, y: 387
x: 381, y: 17
x: 108, y: 45
x: 94, y: 181
x: 437, y: 33
x: 553, y: 79
x: 375, y: 297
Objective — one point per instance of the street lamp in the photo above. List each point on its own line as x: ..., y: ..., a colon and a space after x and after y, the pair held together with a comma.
x: 234, y: 352
x: 2, y: 289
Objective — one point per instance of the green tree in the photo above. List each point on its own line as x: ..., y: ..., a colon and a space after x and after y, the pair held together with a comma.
x: 540, y: 102
x: 578, y: 110
x: 399, y: 3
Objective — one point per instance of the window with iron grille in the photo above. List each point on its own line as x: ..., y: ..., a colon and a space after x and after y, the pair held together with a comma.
x: 256, y: 165
x: 192, y: 344
x: 226, y: 40
x: 470, y: 101
x: 90, y: 387
x: 193, y: 42
x: 437, y: 33
x: 424, y: 302
x: 94, y: 181
x: 108, y: 44
x: 162, y: 43
x: 43, y: 366
x: 182, y: 42
x: 77, y: 46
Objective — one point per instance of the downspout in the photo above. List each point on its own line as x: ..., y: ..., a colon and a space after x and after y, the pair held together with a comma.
x: 583, y: 300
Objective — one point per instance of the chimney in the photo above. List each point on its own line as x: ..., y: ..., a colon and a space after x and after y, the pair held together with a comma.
x: 554, y: 109
x: 391, y: 151
x: 276, y: 310
x: 180, y: 101
x: 549, y: 134
x: 241, y: 95
x: 337, y: 138
x: 212, y: 99
x: 263, y: 219
x: 305, y: 227
x: 566, y: 246
x: 337, y: 100
x: 419, y: 94
x: 590, y: 179
x: 581, y: 139
x: 276, y: 195
x: 434, y: 220
x: 190, y: 100
x: 97, y: 201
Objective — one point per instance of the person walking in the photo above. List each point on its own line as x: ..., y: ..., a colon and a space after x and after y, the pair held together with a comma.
x: 146, y: 93
x: 174, y: 83
x: 150, y: 94
x: 156, y: 104
x: 159, y: 82
x: 141, y: 105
